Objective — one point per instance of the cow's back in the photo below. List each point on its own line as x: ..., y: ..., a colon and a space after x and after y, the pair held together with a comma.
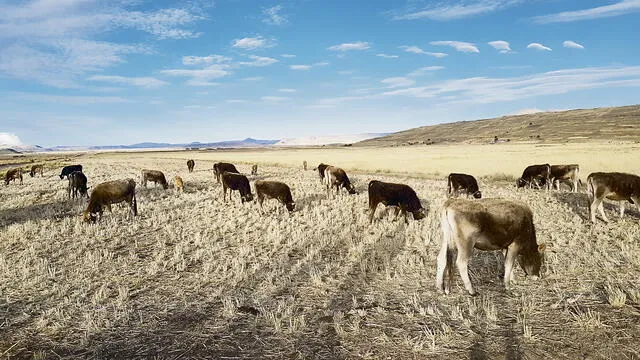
x: 622, y: 184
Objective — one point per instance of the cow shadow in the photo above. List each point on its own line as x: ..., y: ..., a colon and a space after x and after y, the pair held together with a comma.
x: 309, y: 199
x: 579, y: 205
x: 37, y: 212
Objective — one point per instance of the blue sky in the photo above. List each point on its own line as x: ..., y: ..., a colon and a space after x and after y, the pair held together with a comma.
x: 97, y: 72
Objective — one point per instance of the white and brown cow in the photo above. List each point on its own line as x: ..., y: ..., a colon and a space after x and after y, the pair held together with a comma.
x: 532, y: 173
x: 336, y: 177
x: 614, y: 186
x: 561, y: 173
x: 486, y: 224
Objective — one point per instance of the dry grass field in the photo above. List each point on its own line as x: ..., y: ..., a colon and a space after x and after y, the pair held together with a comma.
x: 194, y: 277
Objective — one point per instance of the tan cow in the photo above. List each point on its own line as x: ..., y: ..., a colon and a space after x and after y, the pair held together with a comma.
x: 111, y: 192
x: 178, y: 184
x: 36, y: 169
x: 614, y: 186
x: 565, y: 173
x: 12, y: 175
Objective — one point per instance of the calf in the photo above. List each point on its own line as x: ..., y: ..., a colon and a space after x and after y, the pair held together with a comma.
x: 234, y: 181
x: 190, y: 165
x: 156, y: 177
x: 254, y: 170
x: 221, y: 167
x: 69, y: 169
x: 614, y: 186
x: 274, y: 190
x: 178, y: 184
x: 35, y: 169
x: 391, y: 194
x: 336, y: 177
x: 533, y: 172
x: 321, y: 168
x: 12, y: 175
x: 467, y: 183
x: 111, y: 192
x: 565, y: 173
x: 486, y: 224
x: 77, y: 184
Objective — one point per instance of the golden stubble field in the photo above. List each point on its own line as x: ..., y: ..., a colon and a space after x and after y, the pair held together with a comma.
x: 193, y: 277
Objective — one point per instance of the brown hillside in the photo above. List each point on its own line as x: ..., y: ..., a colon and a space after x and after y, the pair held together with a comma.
x: 615, y: 123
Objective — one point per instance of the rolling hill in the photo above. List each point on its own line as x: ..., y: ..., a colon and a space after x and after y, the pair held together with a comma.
x: 614, y: 123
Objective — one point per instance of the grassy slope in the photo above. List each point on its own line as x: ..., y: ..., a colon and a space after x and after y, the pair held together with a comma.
x: 616, y: 123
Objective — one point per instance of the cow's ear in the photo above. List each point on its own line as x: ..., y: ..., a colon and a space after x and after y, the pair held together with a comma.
x: 542, y: 247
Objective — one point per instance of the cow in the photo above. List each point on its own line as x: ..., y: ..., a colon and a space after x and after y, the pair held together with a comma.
x: 35, y: 169
x: 235, y: 181
x: 486, y: 224
x: 155, y: 176
x: 77, y: 184
x: 533, y: 172
x: 321, y: 168
x: 69, y: 169
x: 391, y: 194
x: 178, y: 184
x: 254, y: 170
x: 274, y: 190
x: 565, y: 173
x: 12, y: 175
x: 219, y: 168
x: 304, y: 165
x: 111, y: 192
x: 190, y: 165
x: 336, y: 177
x: 614, y: 186
x: 457, y: 182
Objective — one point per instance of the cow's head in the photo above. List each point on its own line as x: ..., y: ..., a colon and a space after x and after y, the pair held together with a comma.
x: 32, y: 173
x: 165, y: 185
x: 419, y: 214
x: 532, y: 261
x: 477, y: 194
x: 89, y: 217
x: 61, y: 176
x: 290, y: 206
x: 521, y: 182
x: 246, y: 197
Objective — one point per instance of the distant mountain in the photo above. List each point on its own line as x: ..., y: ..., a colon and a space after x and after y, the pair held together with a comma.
x: 248, y: 142
x: 19, y: 149
x: 327, y: 140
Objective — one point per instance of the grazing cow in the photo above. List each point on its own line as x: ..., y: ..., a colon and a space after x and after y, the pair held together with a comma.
x: 321, y: 168
x: 614, y: 186
x: 156, y: 177
x: 467, y: 183
x: 35, y: 169
x: 13, y: 175
x: 533, y: 172
x: 336, y: 177
x: 254, y: 170
x: 111, y: 192
x: 219, y: 168
x: 274, y: 190
x: 69, y: 169
x: 190, y: 165
x: 399, y: 195
x: 77, y: 184
x: 178, y: 184
x: 486, y: 224
x: 235, y: 181
x: 565, y: 173
x: 304, y: 165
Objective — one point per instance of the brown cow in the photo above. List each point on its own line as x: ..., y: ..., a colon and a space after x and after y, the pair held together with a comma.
x: 13, y: 175
x: 467, y: 183
x: 486, y: 224
x: 190, y: 165
x: 219, y: 168
x: 534, y: 172
x: 254, y: 170
x: 336, y: 177
x: 77, y: 184
x: 565, y: 173
x: 614, y: 186
x: 274, y: 190
x: 111, y: 192
x: 399, y: 195
x: 156, y: 177
x: 234, y: 181
x: 304, y: 165
x: 321, y: 168
x: 35, y: 169
x: 178, y: 184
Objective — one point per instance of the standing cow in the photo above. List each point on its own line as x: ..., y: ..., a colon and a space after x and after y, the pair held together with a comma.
x: 37, y: 169
x: 391, y: 194
x: 178, y: 184
x: 234, y: 181
x: 254, y: 170
x: 221, y: 167
x: 154, y: 176
x: 565, y: 173
x: 69, y: 169
x: 534, y: 172
x: 321, y: 168
x: 111, y: 192
x: 190, y: 165
x: 614, y: 186
x: 77, y: 185
x: 304, y: 165
x: 12, y: 175
x: 336, y: 177
x: 274, y: 190
x: 486, y: 224
x: 462, y: 182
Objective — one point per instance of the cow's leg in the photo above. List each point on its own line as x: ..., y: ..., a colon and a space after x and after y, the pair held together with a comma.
x: 594, y: 206
x: 372, y: 211
x: 601, y: 209
x: 509, y: 261
x: 464, y: 254
x: 621, y: 208
x: 442, y: 266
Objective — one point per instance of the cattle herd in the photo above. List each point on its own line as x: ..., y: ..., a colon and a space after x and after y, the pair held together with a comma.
x: 483, y: 224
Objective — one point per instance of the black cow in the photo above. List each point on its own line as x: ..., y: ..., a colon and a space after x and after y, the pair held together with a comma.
x: 274, y: 190
x: 69, y: 169
x: 235, y: 181
x: 336, y: 177
x: 190, y: 165
x: 390, y: 194
x: 77, y: 184
x: 221, y: 167
x: 532, y: 173
x: 156, y: 177
x: 462, y: 182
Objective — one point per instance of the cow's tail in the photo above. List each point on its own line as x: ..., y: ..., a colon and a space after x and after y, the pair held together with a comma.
x: 590, y: 193
x: 448, y: 243
x: 448, y: 185
x: 135, y: 205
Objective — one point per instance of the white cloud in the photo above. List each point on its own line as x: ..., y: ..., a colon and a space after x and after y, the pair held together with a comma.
x: 288, y: 56
x: 201, y: 77
x: 237, y: 101
x: 287, y: 90
x: 360, y: 45
x: 538, y: 46
x: 9, y: 139
x: 253, y: 43
x: 417, y: 50
x: 300, y: 67
x: 164, y: 23
x: 423, y: 70
x: 527, y: 111
x: 253, y: 78
x: 452, y: 10
x: 396, y: 82
x: 388, y: 56
x: 146, y: 82
x: 205, y: 60
x: 572, y: 45
x: 274, y: 98
x: 458, y: 45
x: 619, y: 8
x: 501, y: 46
x: 71, y: 99
x: 273, y: 16
x: 259, y: 61
x: 322, y: 63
